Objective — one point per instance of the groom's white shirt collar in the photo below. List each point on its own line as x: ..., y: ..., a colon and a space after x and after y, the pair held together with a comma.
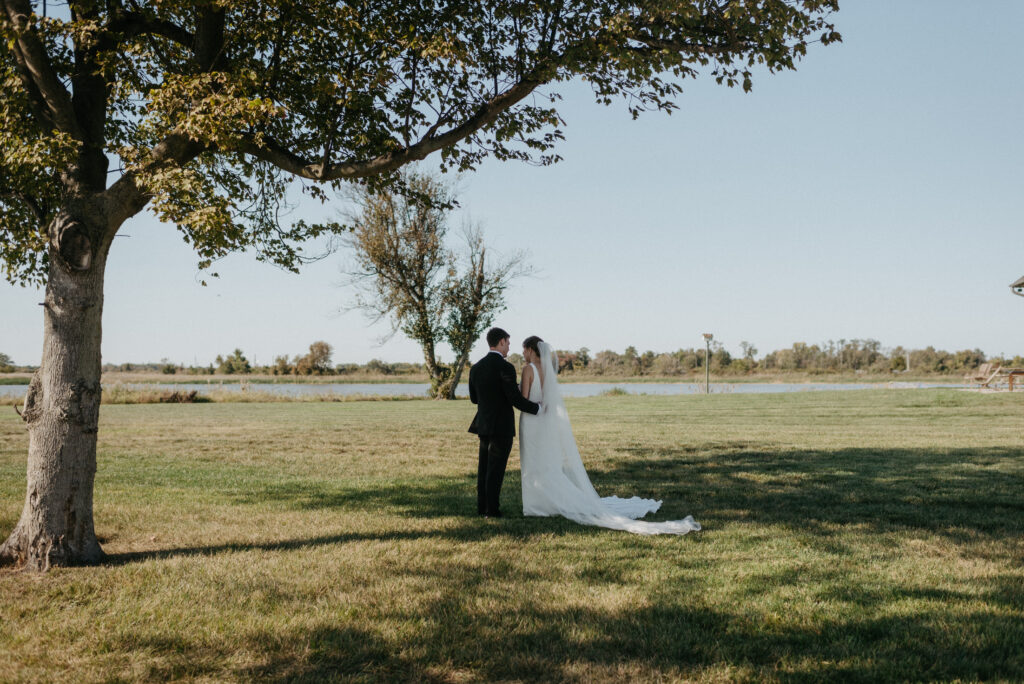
x: 495, y: 351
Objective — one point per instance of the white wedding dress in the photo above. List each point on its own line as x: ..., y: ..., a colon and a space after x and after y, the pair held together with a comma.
x: 554, y: 479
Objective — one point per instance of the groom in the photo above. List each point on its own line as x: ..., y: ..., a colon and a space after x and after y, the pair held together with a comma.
x: 492, y: 387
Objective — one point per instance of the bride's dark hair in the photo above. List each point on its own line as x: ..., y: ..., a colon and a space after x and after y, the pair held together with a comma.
x: 531, y: 342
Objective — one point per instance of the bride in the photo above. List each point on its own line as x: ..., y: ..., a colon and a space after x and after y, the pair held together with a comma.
x: 554, y: 479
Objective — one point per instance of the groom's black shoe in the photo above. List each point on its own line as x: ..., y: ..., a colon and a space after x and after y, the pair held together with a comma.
x: 494, y: 514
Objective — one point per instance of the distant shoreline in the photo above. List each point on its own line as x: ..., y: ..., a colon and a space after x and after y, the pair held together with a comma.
x: 131, y: 377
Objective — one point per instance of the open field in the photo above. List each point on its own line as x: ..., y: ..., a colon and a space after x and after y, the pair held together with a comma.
x: 872, y: 535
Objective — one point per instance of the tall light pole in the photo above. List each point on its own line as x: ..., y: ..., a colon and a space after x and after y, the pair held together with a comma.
x: 707, y: 362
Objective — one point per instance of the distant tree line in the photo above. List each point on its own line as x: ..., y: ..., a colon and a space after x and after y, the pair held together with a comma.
x: 843, y: 356
x: 317, y: 361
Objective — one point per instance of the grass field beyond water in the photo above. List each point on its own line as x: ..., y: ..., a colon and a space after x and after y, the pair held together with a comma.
x: 871, y: 535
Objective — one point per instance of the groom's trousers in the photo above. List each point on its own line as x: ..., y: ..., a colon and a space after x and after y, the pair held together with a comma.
x: 494, y: 451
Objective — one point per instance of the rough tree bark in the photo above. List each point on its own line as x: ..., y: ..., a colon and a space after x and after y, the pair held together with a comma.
x: 63, y: 401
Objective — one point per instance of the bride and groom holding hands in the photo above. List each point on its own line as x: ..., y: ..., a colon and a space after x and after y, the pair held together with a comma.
x: 554, y: 480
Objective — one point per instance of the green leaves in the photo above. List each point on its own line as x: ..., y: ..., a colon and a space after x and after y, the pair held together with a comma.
x: 332, y: 92
x: 32, y: 160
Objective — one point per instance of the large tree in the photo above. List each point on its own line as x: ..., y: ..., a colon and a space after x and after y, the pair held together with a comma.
x: 207, y: 111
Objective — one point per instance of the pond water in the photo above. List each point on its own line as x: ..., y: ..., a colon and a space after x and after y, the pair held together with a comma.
x: 580, y: 389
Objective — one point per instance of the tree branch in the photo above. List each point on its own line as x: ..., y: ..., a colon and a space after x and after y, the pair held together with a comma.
x: 134, y: 24
x: 125, y: 198
x: 660, y: 44
x: 209, y: 40
x: 90, y: 91
x: 30, y: 51
x: 34, y: 206
x: 35, y: 98
x: 283, y: 158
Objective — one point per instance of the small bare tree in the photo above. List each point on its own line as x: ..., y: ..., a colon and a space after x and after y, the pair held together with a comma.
x: 475, y: 297
x: 404, y: 272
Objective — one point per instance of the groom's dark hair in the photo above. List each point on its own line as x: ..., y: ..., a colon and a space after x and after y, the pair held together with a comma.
x: 496, y: 335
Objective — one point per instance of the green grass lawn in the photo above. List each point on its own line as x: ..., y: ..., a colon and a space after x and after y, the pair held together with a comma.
x: 872, y: 535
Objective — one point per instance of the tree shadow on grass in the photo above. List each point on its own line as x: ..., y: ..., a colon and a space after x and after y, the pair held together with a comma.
x: 335, y: 653
x: 467, y: 630
x: 955, y: 494
x: 436, y: 497
x: 961, y: 494
x: 474, y: 530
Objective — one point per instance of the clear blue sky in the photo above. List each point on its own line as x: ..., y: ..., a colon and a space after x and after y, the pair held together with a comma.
x: 875, y: 192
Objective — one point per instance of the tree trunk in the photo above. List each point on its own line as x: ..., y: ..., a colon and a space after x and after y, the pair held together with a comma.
x: 62, y: 414
x: 429, y: 359
x: 460, y: 364
x: 437, y: 372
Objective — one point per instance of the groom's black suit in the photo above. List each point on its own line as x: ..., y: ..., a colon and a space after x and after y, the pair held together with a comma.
x: 492, y: 387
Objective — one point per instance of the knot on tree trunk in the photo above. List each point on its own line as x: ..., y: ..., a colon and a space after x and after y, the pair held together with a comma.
x: 33, y: 404
x: 70, y: 237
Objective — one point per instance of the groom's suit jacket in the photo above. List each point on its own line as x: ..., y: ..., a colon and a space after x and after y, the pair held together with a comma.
x: 492, y: 387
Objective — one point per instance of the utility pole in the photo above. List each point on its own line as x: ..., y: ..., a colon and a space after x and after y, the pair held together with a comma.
x: 707, y: 362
